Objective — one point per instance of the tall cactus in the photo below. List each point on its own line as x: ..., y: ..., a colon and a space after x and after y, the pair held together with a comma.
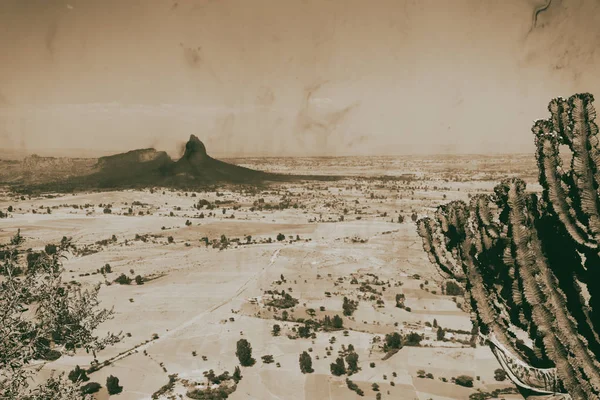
x: 531, y: 265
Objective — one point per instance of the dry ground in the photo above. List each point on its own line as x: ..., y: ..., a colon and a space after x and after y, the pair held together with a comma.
x: 200, y: 302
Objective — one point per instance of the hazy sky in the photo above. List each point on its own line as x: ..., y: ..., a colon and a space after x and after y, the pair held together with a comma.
x: 287, y: 77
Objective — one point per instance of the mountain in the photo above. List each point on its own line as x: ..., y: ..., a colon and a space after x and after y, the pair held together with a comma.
x: 132, y: 169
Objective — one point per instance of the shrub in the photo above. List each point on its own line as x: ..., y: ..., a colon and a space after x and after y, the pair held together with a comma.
x: 123, y: 280
x: 78, y: 375
x: 349, y: 306
x: 268, y: 359
x: 244, y: 353
x: 90, y: 388
x: 139, y: 280
x: 354, y: 387
x: 280, y: 237
x: 305, y: 363
x: 112, y: 385
x: 338, y: 368
x: 352, y: 361
x: 392, y: 341
x: 454, y: 289
x: 276, y: 330
x: 500, y: 375
x: 237, y: 374
x: 464, y: 380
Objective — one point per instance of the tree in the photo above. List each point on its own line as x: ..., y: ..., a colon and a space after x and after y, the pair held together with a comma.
x: 441, y: 334
x: 305, y: 363
x: 337, y: 322
x: 90, y: 388
x: 338, y: 368
x: 139, y: 280
x: 276, y: 330
x: 464, y: 380
x: 78, y: 375
x: 280, y: 237
x: 64, y: 321
x: 244, y: 353
x: 112, y: 385
x: 500, y: 375
x: 349, y: 306
x: 237, y: 374
x: 123, y: 280
x: 352, y: 361
x: 393, y: 341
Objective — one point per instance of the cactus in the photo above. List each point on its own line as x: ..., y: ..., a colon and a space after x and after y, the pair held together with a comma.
x: 529, y: 264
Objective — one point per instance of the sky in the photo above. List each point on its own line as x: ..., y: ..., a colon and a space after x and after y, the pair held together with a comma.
x: 290, y: 77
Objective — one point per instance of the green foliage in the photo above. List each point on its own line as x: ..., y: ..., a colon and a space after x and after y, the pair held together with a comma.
x: 237, y: 374
x: 352, y: 361
x: 305, y: 362
x: 90, y: 388
x: 349, y: 306
x: 78, y: 375
x: 464, y: 380
x: 354, y: 387
x: 338, y: 368
x: 500, y: 375
x: 280, y: 237
x: 123, y: 280
x: 244, y: 353
x: 112, y: 385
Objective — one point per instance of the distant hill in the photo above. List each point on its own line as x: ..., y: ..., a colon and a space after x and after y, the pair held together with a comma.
x: 135, y: 168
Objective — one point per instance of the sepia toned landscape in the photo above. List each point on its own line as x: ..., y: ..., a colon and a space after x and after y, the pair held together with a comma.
x: 299, y: 200
x: 189, y: 273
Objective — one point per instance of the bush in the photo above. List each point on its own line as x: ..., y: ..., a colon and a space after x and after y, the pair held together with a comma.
x: 352, y: 361
x: 139, y: 280
x: 412, y: 339
x: 112, y: 385
x: 280, y: 237
x: 305, y: 363
x: 90, y: 388
x: 244, y: 353
x: 78, y: 375
x: 392, y: 341
x: 354, y: 387
x: 268, y: 359
x: 464, y: 380
x: 454, y: 289
x: 349, y: 306
x: 237, y: 374
x: 170, y: 239
x: 123, y: 280
x: 276, y: 330
x: 338, y: 368
x: 500, y: 375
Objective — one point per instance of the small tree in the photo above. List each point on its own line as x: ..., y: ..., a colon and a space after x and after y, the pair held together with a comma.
x: 78, y: 375
x: 305, y: 363
x: 280, y: 237
x: 123, y: 280
x: 276, y: 330
x: 500, y: 375
x: 237, y: 374
x: 464, y: 380
x: 139, y: 280
x: 352, y: 361
x: 441, y: 333
x: 337, y: 322
x: 244, y: 353
x: 338, y: 368
x: 112, y: 385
